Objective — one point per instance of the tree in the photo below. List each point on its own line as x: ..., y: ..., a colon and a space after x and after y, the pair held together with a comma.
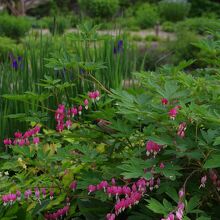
x: 19, y: 7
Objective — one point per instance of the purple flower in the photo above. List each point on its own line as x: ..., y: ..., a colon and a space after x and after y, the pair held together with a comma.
x: 119, y: 47
x: 16, y: 63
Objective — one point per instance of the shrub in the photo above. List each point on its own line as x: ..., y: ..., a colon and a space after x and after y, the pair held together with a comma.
x: 137, y: 37
x: 7, y: 46
x: 168, y: 26
x: 129, y: 22
x: 174, y: 10
x: 199, y: 25
x: 58, y: 25
x: 201, y: 6
x: 183, y: 47
x: 14, y: 27
x: 99, y: 8
x: 152, y: 38
x: 147, y: 16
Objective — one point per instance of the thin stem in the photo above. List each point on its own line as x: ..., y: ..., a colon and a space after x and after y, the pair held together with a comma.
x: 100, y: 84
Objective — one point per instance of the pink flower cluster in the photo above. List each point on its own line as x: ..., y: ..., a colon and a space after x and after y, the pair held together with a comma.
x: 178, y: 214
x: 152, y: 148
x: 11, y: 198
x: 94, y: 95
x: 24, y: 139
x: 131, y: 195
x: 173, y: 111
x: 59, y: 214
x: 64, y: 116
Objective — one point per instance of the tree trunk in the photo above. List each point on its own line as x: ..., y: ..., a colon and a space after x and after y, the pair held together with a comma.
x: 22, y: 7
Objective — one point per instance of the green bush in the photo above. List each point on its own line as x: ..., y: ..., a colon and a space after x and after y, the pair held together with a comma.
x: 147, y: 16
x: 99, y: 8
x: 199, y: 25
x: 7, y: 46
x: 174, y: 10
x: 182, y: 47
x: 168, y: 26
x: 200, y: 6
x: 152, y: 38
x: 14, y: 27
x: 58, y: 25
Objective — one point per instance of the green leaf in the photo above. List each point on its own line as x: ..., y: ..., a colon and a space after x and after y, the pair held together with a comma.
x: 192, y: 204
x: 39, y: 207
x: 156, y: 206
x: 134, y: 168
x: 212, y: 162
x: 203, y: 218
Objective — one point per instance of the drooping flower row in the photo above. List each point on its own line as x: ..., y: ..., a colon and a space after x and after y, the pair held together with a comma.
x: 30, y: 136
x: 59, y: 214
x: 38, y: 194
x: 126, y: 196
x: 179, y: 211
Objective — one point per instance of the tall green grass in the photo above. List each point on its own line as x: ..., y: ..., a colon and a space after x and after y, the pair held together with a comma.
x: 22, y: 98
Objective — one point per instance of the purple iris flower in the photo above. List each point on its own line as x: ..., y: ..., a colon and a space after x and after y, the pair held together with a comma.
x: 16, y: 63
x: 119, y: 47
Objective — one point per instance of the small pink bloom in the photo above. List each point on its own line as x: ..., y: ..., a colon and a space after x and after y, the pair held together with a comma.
x: 181, y: 193
x: 152, y: 147
x: 7, y: 142
x: 92, y: 95
x: 172, y: 113
x: 179, y: 214
x: 74, y: 111
x: 162, y: 166
x: 80, y: 109
x: 18, y: 194
x: 203, y: 181
x: 21, y: 142
x: 91, y: 188
x: 164, y: 101
x: 60, y: 127
x: 110, y: 216
x: 36, y: 140
x: 27, y: 194
x: 18, y: 135
x: 44, y: 192
x: 181, y: 130
x: 36, y: 129
x: 5, y: 199
x: 51, y: 194
x: 86, y: 103
x: 37, y: 193
x: 68, y: 124
x: 171, y: 217
x: 73, y: 185
x: 113, y: 181
x: 97, y: 95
